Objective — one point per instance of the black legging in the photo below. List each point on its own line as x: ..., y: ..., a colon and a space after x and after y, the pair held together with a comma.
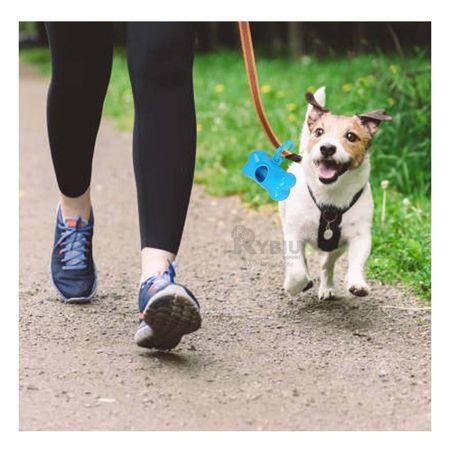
x: 160, y: 57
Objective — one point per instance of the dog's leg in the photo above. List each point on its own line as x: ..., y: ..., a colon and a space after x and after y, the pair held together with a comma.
x: 326, y: 288
x: 358, y: 252
x: 296, y: 278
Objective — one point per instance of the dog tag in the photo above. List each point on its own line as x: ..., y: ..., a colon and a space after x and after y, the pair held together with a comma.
x: 328, y: 234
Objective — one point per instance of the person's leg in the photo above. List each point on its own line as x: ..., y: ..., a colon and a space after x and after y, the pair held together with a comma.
x: 81, y: 55
x: 160, y: 58
x: 81, y: 64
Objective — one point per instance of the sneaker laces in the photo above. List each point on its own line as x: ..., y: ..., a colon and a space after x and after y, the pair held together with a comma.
x: 73, y: 244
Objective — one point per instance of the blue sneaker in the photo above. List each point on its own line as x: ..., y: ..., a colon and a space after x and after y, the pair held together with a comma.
x: 72, y: 267
x: 167, y: 311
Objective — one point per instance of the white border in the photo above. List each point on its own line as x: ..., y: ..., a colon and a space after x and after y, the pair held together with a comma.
x: 229, y: 10
x: 280, y: 10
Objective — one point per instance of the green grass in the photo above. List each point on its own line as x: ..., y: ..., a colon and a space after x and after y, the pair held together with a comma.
x: 401, y: 249
x: 228, y: 130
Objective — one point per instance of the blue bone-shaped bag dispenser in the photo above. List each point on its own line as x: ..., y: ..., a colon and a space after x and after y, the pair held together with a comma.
x: 269, y: 174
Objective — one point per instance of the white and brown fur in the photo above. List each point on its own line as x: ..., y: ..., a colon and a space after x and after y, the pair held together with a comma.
x: 300, y: 215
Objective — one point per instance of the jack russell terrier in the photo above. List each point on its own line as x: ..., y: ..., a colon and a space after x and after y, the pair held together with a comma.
x: 331, y: 205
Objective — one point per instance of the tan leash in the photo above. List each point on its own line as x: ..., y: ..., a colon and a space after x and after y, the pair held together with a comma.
x: 252, y: 76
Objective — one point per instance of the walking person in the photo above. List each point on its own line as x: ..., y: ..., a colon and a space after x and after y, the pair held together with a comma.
x: 160, y: 59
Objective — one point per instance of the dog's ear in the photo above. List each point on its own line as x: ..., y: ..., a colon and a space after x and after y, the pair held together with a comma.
x: 371, y: 120
x: 316, y: 112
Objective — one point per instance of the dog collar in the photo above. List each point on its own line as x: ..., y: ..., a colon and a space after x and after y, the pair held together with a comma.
x: 329, y: 231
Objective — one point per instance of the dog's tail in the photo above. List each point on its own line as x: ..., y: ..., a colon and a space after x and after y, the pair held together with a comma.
x: 320, y: 96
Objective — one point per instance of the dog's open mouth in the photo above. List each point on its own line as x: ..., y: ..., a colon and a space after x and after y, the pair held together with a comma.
x: 329, y: 170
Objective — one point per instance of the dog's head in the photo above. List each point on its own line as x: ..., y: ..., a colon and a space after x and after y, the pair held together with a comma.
x: 338, y: 144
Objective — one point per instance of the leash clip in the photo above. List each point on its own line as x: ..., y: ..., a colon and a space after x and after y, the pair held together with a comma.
x: 282, y: 151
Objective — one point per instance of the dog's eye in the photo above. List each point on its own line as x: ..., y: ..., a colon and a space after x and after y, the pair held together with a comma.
x: 351, y: 136
x: 318, y: 132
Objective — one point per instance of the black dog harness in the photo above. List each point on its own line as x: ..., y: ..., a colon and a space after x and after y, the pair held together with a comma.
x: 330, y: 219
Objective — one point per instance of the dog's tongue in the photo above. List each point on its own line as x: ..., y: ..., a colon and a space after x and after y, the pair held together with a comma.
x: 327, y: 169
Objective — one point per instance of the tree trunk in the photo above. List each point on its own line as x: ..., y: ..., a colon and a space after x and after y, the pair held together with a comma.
x: 296, y: 38
x: 359, y: 37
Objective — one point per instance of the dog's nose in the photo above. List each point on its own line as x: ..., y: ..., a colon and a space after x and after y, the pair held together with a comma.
x: 327, y: 150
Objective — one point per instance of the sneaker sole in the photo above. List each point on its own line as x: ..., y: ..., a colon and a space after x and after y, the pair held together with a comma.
x: 171, y: 314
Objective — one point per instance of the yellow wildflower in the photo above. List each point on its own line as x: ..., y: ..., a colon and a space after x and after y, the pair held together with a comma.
x: 391, y: 101
x: 347, y: 87
x: 393, y: 69
x: 199, y: 128
x: 266, y: 88
x: 291, y: 107
x: 219, y: 88
x: 292, y: 118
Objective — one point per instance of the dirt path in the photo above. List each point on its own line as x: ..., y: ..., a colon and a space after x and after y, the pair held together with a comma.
x: 260, y: 361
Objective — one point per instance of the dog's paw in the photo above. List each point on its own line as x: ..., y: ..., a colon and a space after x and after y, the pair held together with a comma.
x: 326, y: 293
x: 293, y: 285
x: 359, y: 290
